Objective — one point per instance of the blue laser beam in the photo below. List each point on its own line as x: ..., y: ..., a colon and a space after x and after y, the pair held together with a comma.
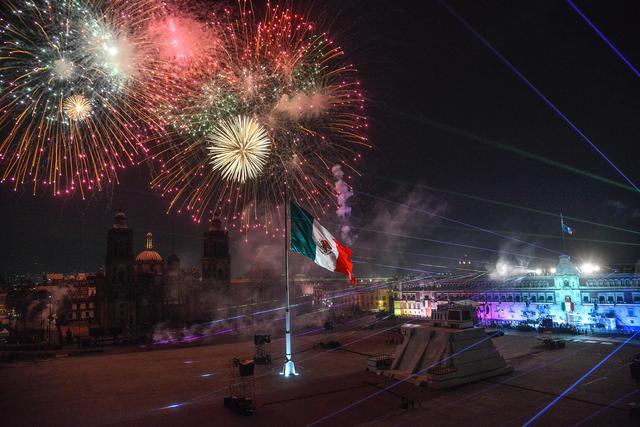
x: 425, y: 239
x: 455, y: 221
x: 610, y: 405
x: 537, y: 91
x: 172, y: 406
x: 484, y: 390
x: 204, y: 397
x: 572, y: 386
x: 364, y: 248
x: 389, y: 387
x: 604, y: 38
x: 193, y: 338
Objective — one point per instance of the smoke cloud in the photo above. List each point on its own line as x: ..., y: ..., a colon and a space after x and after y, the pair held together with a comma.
x: 384, y: 240
x: 182, y: 38
x: 343, y: 193
x: 303, y: 105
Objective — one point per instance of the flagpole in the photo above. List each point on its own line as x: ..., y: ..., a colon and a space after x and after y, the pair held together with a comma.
x: 562, y: 232
x: 289, y: 368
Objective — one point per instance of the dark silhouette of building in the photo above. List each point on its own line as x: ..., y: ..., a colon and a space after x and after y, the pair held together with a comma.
x: 148, y: 287
x: 140, y: 292
x: 117, y: 311
x: 132, y: 298
x: 216, y: 260
x: 119, y: 260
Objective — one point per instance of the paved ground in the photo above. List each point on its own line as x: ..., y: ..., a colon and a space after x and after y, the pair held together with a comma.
x: 185, y: 386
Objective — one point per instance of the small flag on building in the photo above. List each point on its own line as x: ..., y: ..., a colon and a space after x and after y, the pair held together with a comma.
x: 312, y: 240
x: 566, y: 229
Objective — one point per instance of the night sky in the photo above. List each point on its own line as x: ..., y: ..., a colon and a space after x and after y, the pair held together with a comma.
x: 437, y: 98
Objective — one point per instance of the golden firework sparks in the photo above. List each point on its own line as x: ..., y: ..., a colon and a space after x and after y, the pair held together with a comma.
x: 239, y: 148
x: 77, y: 107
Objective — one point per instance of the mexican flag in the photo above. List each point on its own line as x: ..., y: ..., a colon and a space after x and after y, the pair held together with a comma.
x: 312, y: 240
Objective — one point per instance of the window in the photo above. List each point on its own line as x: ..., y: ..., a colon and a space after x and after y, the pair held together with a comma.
x: 517, y: 298
x: 550, y: 298
x: 601, y: 299
x: 636, y: 298
x: 454, y: 315
x: 619, y: 298
x: 585, y: 299
x: 533, y: 298
x: 610, y: 299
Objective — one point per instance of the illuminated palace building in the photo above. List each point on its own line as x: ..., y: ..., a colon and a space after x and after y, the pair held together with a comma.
x: 568, y: 296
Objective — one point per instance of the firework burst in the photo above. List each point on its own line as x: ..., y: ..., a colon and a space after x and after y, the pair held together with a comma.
x: 239, y: 149
x: 304, y: 105
x: 77, y: 107
x: 70, y: 94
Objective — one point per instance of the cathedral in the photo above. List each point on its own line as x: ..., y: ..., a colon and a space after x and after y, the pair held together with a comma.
x: 143, y: 290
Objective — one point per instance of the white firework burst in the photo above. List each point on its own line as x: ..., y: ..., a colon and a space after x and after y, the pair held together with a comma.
x: 63, y: 69
x: 77, y: 107
x: 239, y: 148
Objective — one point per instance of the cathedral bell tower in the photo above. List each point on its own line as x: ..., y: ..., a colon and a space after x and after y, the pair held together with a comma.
x: 114, y: 309
x: 216, y: 260
x: 119, y: 260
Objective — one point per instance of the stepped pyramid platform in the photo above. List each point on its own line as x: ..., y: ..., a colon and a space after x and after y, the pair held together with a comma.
x: 445, y: 357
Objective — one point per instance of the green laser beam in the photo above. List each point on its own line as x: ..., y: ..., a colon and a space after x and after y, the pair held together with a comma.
x: 538, y: 235
x: 493, y: 143
x: 505, y: 204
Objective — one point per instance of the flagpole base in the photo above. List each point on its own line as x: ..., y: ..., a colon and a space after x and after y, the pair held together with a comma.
x: 288, y: 369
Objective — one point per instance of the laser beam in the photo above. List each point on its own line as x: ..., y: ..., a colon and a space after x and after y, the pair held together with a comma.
x: 537, y: 91
x: 455, y: 221
x: 572, y: 386
x: 604, y: 38
x: 385, y: 389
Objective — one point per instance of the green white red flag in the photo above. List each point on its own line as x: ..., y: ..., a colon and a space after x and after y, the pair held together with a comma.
x: 312, y: 240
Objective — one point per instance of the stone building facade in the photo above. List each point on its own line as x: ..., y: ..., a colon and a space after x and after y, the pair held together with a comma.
x: 143, y: 290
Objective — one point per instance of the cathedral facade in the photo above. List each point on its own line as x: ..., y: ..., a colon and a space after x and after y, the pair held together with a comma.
x: 143, y: 290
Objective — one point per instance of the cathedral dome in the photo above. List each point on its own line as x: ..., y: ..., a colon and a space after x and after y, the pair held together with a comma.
x: 149, y: 255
